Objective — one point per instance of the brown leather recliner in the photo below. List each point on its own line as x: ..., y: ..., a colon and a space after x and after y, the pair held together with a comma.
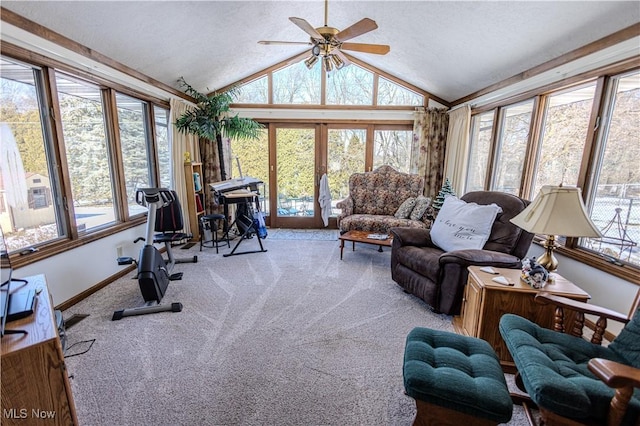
x: 439, y: 277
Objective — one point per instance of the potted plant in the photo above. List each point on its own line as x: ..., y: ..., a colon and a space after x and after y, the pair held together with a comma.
x: 210, y: 119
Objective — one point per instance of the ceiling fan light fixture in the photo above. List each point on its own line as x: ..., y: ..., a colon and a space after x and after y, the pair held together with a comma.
x: 328, y: 65
x: 311, y: 61
x: 337, y: 61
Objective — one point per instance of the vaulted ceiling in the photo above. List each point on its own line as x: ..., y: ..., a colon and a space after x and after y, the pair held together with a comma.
x: 448, y: 48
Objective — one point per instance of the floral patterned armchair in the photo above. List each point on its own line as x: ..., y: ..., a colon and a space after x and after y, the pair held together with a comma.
x: 374, y: 198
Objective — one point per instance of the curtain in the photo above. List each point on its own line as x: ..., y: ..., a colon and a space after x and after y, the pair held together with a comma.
x: 180, y: 144
x: 457, y: 152
x: 428, y: 147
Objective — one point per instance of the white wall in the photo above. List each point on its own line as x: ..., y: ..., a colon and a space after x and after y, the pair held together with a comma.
x: 72, y: 272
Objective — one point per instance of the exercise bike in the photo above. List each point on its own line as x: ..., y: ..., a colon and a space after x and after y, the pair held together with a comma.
x: 154, y: 273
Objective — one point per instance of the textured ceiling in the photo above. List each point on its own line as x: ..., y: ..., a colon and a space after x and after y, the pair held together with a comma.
x: 448, y: 48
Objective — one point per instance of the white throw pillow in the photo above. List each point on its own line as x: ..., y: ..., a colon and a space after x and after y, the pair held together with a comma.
x: 461, y: 225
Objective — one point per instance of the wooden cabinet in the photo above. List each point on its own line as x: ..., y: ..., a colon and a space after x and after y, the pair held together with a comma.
x: 195, y: 196
x: 485, y: 301
x: 35, y: 385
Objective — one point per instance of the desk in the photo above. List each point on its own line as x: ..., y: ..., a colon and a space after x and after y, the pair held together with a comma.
x: 486, y: 301
x: 35, y: 385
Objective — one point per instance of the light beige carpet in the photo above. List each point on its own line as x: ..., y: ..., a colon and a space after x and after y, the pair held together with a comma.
x: 293, y: 336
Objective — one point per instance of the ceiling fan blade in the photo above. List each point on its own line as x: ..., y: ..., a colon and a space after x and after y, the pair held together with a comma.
x: 306, y: 43
x: 378, y: 49
x: 362, y: 26
x: 307, y: 28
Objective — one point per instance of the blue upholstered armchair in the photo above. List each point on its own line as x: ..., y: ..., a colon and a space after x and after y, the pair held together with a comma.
x: 573, y: 380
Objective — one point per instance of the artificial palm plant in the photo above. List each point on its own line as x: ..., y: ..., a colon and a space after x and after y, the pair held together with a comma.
x: 210, y: 119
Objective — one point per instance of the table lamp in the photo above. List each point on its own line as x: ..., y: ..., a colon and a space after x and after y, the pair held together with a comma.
x: 556, y: 210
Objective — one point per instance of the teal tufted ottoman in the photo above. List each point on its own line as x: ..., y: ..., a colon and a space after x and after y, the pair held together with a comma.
x: 455, y: 379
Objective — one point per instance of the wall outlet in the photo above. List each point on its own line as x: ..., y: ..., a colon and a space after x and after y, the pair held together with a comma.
x: 119, y: 251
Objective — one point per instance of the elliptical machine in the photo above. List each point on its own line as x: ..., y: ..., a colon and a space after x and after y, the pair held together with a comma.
x: 154, y: 273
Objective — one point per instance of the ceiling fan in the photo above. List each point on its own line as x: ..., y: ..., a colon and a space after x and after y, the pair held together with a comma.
x: 328, y: 42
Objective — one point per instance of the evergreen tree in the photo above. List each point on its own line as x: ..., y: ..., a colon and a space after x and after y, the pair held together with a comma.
x: 445, y: 190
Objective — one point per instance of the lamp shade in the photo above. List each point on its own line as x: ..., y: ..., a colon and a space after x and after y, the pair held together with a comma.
x: 557, y: 210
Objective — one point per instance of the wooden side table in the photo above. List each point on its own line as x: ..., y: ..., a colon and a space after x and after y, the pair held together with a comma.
x: 485, y: 301
x: 35, y: 383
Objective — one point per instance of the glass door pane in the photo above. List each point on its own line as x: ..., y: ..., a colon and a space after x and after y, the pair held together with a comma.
x: 296, y: 177
x: 392, y: 148
x: 345, y: 156
x: 250, y: 158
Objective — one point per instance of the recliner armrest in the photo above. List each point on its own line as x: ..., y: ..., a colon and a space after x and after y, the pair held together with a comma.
x: 481, y: 258
x: 583, y: 307
x: 417, y: 237
x: 614, y: 374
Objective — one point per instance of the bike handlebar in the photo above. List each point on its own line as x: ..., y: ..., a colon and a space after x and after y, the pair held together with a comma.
x: 160, y: 196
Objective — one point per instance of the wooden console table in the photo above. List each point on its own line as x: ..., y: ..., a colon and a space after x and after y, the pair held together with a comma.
x: 35, y: 385
x: 486, y: 301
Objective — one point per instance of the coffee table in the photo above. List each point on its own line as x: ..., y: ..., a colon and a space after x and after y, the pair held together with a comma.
x: 361, y: 237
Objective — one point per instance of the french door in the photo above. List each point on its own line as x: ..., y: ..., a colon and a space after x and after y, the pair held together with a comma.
x: 291, y: 159
x: 295, y: 164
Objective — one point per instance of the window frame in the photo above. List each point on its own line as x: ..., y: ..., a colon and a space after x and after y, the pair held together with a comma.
x: 596, y: 128
x: 377, y: 74
x: 56, y: 157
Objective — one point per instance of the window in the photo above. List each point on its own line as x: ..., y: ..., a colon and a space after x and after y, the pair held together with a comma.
x: 28, y: 215
x: 350, y: 85
x: 296, y: 85
x: 565, y: 148
x: 563, y: 137
x: 512, y: 147
x: 87, y: 152
x: 163, y: 146
x: 255, y: 92
x: 134, y: 145
x: 614, y: 200
x: 46, y: 172
x: 480, y: 147
x: 390, y: 93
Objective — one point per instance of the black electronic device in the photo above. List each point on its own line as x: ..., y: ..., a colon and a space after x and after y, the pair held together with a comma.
x: 21, y: 304
x: 6, y: 297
